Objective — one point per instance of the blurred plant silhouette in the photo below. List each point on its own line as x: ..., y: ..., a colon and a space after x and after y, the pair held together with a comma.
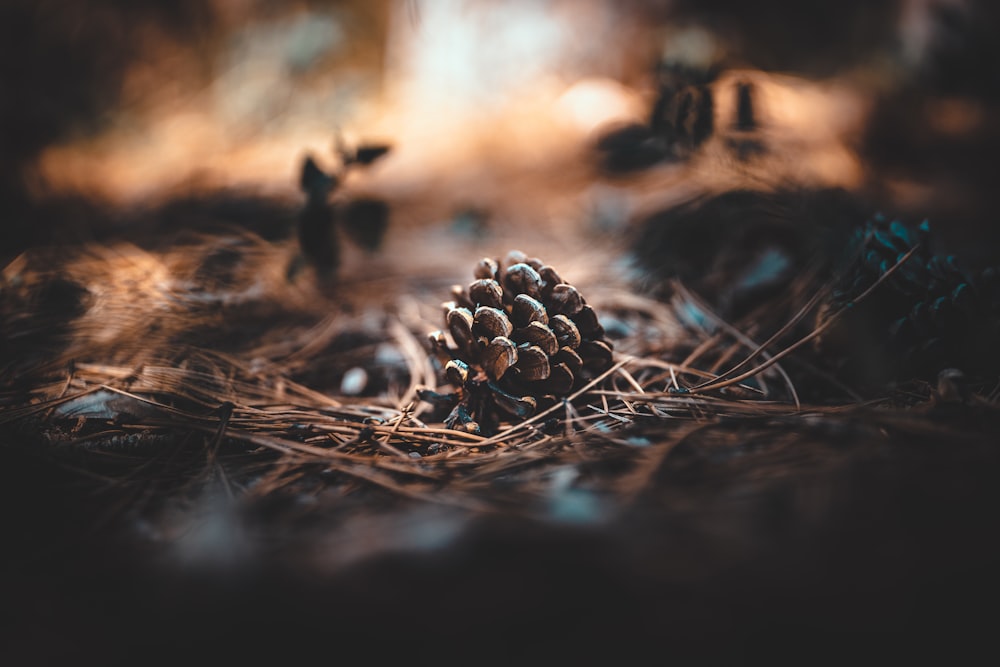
x: 363, y: 220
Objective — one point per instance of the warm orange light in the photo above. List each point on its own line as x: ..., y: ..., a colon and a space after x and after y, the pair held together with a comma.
x: 476, y: 101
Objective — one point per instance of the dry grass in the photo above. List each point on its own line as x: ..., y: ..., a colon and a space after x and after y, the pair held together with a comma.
x: 259, y: 409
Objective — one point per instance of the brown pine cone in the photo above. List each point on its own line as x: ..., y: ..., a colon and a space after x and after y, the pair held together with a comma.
x: 520, y: 337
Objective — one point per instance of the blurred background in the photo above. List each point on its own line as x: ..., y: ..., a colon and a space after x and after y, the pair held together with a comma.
x: 131, y: 103
x: 524, y: 123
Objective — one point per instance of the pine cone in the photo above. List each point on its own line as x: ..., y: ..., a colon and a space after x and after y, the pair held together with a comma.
x: 929, y: 315
x: 522, y: 337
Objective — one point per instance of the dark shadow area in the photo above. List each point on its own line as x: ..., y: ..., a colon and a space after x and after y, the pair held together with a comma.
x: 784, y: 546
